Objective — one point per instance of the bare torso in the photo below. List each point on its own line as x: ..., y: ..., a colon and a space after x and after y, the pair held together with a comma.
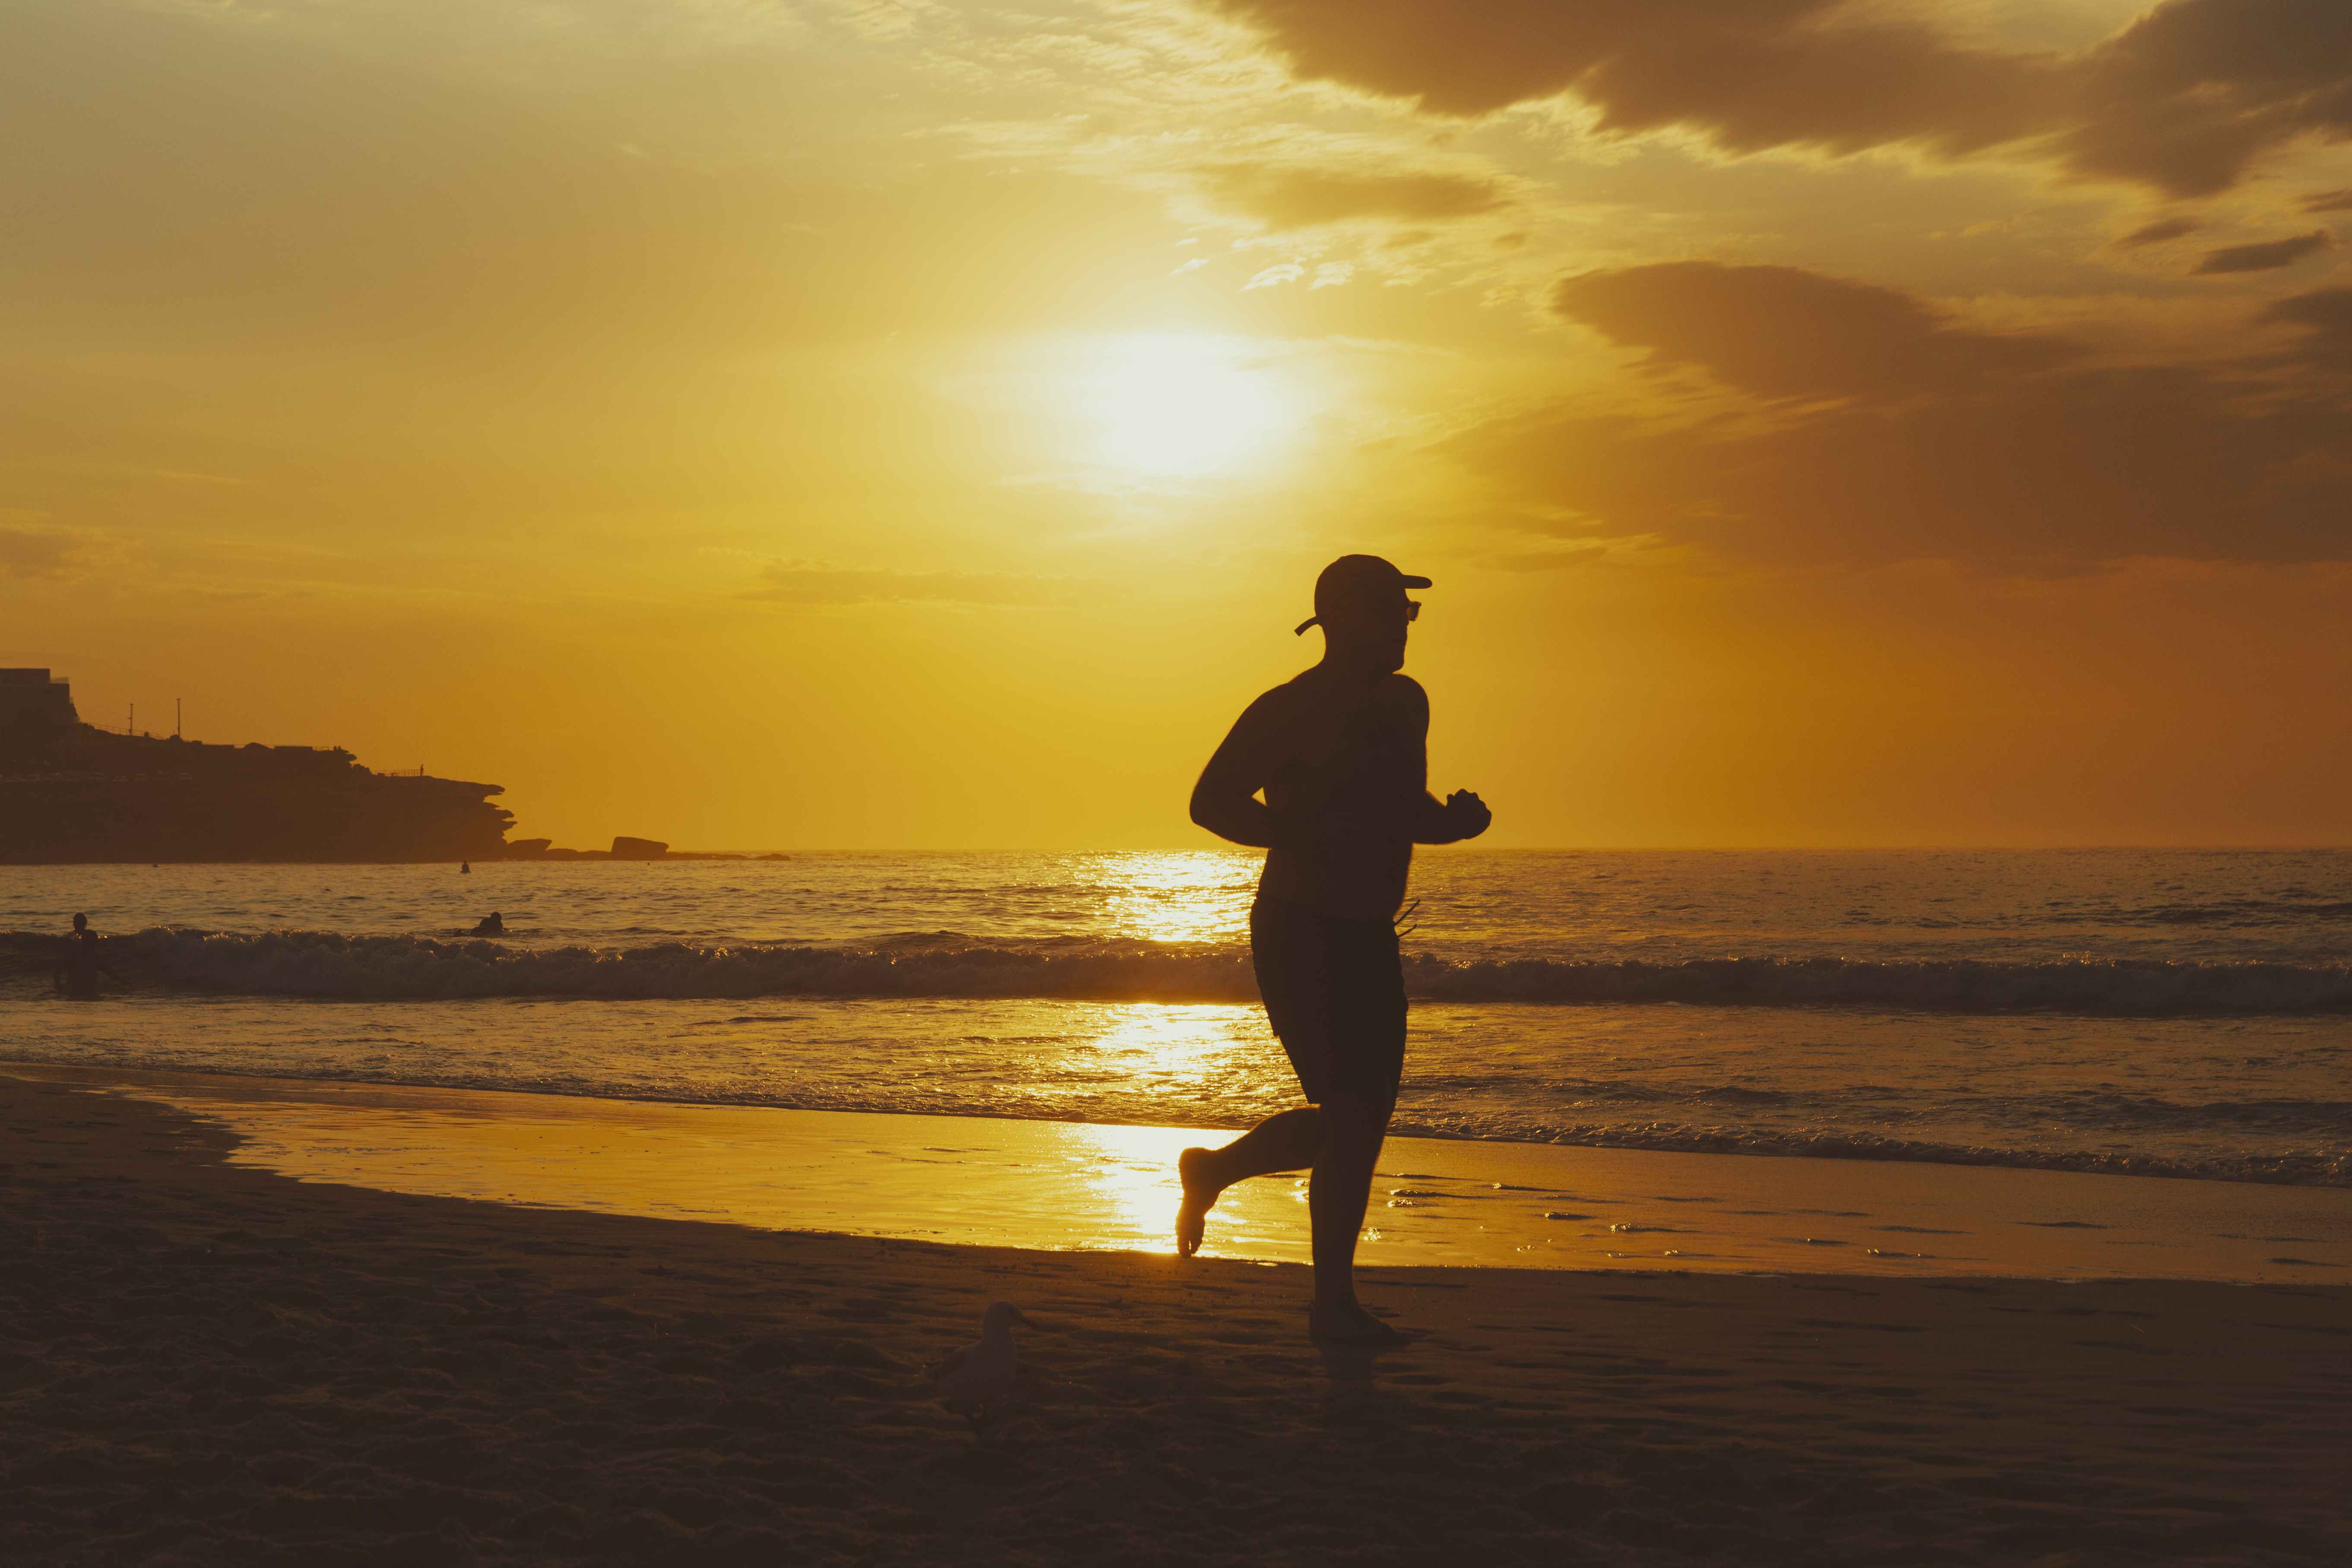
x: 1347, y: 757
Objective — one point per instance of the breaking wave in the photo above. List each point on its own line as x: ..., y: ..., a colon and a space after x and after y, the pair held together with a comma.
x: 325, y: 964
x: 2297, y: 1168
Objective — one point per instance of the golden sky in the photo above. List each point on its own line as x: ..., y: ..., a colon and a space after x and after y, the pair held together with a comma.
x: 849, y: 424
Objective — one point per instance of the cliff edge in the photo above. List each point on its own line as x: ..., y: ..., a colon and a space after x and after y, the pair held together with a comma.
x: 69, y: 792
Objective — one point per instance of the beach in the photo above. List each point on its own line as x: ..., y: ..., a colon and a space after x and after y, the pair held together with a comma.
x: 1052, y: 1185
x: 698, y: 693
x: 212, y: 1363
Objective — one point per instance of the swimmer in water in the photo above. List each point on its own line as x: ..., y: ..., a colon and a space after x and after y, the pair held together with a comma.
x: 76, y: 977
x: 1341, y: 753
x: 491, y: 924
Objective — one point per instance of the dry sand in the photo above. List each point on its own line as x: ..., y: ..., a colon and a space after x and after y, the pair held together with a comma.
x: 201, y: 1362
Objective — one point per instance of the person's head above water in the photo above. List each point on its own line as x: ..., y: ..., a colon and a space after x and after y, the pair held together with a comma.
x: 81, y: 922
x: 1359, y: 603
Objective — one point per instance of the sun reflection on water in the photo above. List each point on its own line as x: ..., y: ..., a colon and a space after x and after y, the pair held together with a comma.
x: 1131, y: 1181
x: 1200, y: 896
x: 1188, y: 1060
x: 1179, y: 1049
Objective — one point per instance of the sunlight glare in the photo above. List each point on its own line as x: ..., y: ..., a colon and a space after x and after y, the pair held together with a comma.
x: 1181, y: 896
x: 1184, y: 405
x: 1132, y: 1173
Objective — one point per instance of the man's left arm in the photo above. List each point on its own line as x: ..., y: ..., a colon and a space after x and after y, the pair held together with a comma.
x: 1461, y: 814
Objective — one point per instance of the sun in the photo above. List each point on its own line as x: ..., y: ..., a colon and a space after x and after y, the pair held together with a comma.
x: 1185, y: 405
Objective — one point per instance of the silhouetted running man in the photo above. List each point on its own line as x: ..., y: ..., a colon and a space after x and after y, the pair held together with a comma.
x: 77, y: 976
x: 1341, y: 753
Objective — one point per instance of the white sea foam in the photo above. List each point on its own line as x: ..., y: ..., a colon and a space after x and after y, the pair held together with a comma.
x: 333, y: 964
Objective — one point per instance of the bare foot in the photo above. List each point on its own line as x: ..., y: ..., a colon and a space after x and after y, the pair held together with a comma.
x: 1199, y: 1197
x: 1346, y: 1324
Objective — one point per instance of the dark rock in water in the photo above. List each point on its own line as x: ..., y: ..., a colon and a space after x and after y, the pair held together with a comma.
x: 639, y: 849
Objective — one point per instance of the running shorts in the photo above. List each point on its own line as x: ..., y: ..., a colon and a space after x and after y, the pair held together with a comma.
x: 1333, y: 993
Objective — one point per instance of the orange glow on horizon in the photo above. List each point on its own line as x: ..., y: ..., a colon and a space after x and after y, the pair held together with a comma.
x: 868, y: 427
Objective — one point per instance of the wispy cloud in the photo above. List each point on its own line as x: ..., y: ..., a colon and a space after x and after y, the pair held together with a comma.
x: 2158, y: 232
x: 30, y: 548
x: 821, y: 582
x: 1301, y: 197
x: 2266, y: 256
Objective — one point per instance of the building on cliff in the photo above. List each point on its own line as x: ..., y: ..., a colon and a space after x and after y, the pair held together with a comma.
x: 31, y: 697
x: 70, y: 792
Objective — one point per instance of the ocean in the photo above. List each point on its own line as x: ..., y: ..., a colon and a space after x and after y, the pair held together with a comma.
x: 2144, y: 1013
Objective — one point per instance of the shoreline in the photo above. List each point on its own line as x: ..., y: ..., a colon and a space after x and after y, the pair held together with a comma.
x: 1089, y: 1186
x: 1861, y: 1148
x: 208, y: 1362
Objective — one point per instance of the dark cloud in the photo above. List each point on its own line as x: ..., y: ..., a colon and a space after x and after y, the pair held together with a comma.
x: 1783, y: 333
x: 1301, y: 197
x: 1876, y: 429
x: 2185, y: 99
x: 2267, y: 257
x: 2329, y: 201
x: 815, y: 583
x: 2158, y: 232
x: 2326, y: 316
x: 2191, y: 93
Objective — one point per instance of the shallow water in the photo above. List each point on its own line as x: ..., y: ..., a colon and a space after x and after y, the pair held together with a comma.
x: 2156, y: 1013
x: 1086, y: 1186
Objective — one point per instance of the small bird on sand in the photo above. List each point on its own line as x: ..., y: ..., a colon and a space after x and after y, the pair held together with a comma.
x: 981, y: 1374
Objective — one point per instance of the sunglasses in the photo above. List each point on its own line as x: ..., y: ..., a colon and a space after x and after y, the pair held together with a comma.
x: 1412, y: 613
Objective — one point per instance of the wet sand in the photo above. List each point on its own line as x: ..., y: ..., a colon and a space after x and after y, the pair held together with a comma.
x: 1056, y: 1185
x: 211, y: 1362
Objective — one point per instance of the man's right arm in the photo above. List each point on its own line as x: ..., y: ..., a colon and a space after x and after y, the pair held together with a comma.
x: 1225, y: 800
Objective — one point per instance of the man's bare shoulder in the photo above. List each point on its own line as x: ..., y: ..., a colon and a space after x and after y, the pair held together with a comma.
x: 1289, y: 698
x: 1270, y: 716
x: 1403, y: 694
x: 1310, y: 690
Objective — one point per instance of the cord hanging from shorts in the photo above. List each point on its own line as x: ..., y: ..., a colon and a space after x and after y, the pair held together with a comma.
x: 1406, y: 914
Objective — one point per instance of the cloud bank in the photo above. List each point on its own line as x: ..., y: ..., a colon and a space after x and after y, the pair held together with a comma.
x: 2186, y: 99
x: 1810, y: 419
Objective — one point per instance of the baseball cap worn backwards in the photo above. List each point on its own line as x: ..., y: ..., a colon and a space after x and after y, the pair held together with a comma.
x: 1354, y: 580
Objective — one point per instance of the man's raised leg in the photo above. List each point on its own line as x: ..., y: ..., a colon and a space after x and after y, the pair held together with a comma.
x: 1288, y: 1142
